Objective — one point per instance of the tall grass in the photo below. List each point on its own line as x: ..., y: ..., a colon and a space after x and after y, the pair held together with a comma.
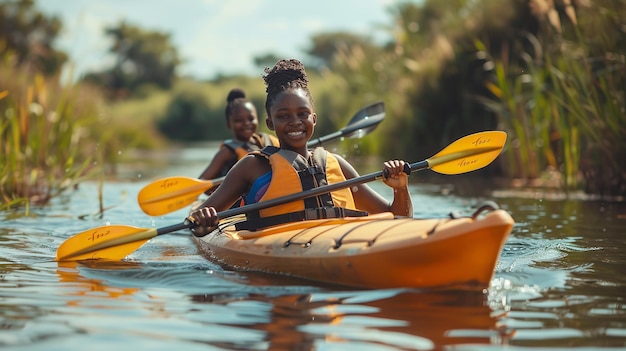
x: 50, y: 136
x: 566, y: 106
x: 591, y: 93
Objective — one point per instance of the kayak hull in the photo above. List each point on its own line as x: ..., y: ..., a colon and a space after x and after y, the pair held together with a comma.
x: 377, y: 251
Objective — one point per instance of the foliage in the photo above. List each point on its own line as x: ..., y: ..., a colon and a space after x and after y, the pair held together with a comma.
x: 142, y: 58
x: 430, y: 77
x: 325, y: 46
x: 551, y: 76
x: 565, y: 102
x: 186, y: 118
x: 132, y: 121
x: 348, y: 72
x: 266, y: 60
x: 51, y: 139
x: 451, y: 73
x: 29, y: 37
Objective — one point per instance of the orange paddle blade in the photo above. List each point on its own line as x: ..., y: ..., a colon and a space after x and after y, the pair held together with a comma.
x: 469, y: 153
x: 113, y: 242
x: 172, y: 193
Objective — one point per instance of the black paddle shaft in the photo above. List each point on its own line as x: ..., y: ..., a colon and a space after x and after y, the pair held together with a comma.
x: 316, y: 191
x: 362, y: 123
x: 296, y: 196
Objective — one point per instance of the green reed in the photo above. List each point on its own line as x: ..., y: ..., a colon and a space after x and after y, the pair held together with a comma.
x: 546, y: 135
x: 592, y: 93
x: 49, y: 139
x: 566, y: 109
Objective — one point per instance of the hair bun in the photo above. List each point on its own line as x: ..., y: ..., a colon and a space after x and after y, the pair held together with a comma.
x: 284, y: 75
x: 235, y: 94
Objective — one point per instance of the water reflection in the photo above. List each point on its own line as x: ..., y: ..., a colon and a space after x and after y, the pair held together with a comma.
x: 282, y: 315
x: 564, y: 266
x: 81, y: 287
x: 398, y: 318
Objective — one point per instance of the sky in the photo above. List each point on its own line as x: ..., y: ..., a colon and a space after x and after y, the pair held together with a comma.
x: 213, y: 36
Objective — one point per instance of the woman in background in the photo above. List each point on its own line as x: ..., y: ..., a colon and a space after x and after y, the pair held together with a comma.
x: 242, y: 120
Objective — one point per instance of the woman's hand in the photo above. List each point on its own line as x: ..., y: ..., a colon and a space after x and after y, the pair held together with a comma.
x: 394, y: 175
x: 206, y: 221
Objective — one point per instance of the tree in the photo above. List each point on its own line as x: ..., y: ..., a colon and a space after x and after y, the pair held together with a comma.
x: 29, y: 36
x: 188, y: 118
x: 267, y: 60
x: 142, y: 58
x: 325, y: 46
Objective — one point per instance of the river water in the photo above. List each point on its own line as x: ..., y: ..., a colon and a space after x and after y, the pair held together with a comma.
x: 560, y: 283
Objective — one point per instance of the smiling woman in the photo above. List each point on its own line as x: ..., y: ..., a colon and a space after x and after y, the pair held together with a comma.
x: 292, y: 168
x: 242, y: 120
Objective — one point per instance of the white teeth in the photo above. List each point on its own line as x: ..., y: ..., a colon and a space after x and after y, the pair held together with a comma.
x: 293, y: 134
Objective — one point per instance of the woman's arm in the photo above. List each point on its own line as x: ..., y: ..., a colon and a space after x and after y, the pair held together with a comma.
x: 219, y: 161
x: 402, y: 204
x: 367, y: 199
x: 236, y: 184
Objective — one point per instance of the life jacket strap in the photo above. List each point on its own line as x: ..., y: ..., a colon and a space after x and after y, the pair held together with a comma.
x: 253, y: 224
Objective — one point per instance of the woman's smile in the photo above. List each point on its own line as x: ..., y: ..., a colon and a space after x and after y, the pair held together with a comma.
x: 296, y: 134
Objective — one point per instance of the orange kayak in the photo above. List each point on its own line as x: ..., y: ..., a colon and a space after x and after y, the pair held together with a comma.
x: 377, y: 251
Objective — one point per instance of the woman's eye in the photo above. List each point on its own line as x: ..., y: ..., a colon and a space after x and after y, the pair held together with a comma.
x: 303, y: 115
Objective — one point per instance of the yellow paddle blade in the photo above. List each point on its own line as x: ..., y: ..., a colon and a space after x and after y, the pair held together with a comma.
x: 469, y: 153
x: 113, y: 242
x: 172, y: 193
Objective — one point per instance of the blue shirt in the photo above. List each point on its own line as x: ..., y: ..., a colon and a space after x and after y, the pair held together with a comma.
x: 258, y: 188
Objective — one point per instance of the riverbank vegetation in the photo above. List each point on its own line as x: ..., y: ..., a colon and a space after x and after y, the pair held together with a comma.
x: 561, y: 90
x: 550, y: 73
x: 50, y: 137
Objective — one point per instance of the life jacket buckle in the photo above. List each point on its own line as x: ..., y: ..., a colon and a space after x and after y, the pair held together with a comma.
x: 313, y: 170
x: 324, y: 213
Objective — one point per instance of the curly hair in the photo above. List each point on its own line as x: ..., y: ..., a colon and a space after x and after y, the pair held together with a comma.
x: 236, y: 97
x: 286, y: 74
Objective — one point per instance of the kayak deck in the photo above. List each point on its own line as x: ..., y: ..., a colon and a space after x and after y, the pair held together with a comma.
x: 377, y: 251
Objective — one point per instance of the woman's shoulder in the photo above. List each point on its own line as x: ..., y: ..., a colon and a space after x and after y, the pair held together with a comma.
x: 337, y: 156
x: 247, y: 169
x: 225, y: 152
x: 251, y: 162
x: 346, y: 167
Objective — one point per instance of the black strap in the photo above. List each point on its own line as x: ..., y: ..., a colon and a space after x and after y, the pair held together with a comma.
x: 253, y: 224
x: 267, y: 151
x: 316, y: 177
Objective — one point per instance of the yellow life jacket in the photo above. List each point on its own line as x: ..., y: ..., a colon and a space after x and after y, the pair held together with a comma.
x: 242, y: 149
x: 292, y: 173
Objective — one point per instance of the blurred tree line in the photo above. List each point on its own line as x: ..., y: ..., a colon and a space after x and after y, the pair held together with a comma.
x: 29, y: 35
x: 552, y: 73
x: 143, y: 59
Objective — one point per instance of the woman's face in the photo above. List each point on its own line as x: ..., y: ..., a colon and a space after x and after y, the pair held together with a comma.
x: 292, y: 119
x: 243, y: 121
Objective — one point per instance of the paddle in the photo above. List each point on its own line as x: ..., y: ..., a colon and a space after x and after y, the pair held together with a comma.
x: 173, y: 193
x: 115, y: 242
x: 361, y: 124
